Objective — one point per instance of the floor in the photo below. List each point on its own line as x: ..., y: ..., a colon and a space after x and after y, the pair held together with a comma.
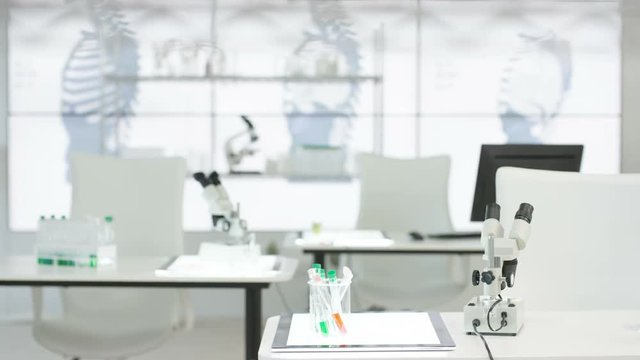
x: 219, y: 338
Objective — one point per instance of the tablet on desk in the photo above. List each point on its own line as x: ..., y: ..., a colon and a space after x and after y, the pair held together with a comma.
x: 387, y: 331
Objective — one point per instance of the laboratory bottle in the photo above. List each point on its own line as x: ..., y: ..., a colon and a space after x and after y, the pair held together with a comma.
x: 108, y: 230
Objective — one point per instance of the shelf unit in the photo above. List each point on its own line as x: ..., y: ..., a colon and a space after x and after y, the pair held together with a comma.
x: 376, y: 79
x: 244, y: 78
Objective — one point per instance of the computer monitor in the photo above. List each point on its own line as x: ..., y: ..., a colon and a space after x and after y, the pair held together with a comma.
x: 541, y: 157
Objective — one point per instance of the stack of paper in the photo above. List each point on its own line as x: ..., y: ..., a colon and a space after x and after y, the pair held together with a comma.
x: 197, y: 266
x: 351, y: 238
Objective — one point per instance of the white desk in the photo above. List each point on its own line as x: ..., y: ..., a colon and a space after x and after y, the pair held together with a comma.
x: 401, y: 244
x: 568, y: 335
x: 140, y: 272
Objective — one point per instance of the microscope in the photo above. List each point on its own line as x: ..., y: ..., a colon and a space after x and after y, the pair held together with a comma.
x: 225, y: 217
x: 490, y: 313
x: 235, y: 156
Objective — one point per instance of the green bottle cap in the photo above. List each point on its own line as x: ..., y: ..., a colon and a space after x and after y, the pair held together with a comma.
x: 41, y: 217
x: 332, y: 274
x: 317, y: 266
x: 63, y: 217
x: 108, y: 219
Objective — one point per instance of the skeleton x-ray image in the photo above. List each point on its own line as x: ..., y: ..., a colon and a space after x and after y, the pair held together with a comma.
x: 323, y: 115
x: 534, y: 85
x: 95, y: 112
x: 405, y: 79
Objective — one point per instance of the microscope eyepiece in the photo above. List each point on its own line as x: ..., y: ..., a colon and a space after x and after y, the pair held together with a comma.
x: 525, y: 212
x: 214, y: 178
x: 201, y: 178
x: 492, y: 212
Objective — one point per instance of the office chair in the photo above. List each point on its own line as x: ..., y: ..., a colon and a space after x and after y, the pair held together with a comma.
x: 583, y: 251
x: 145, y: 198
x: 399, y: 196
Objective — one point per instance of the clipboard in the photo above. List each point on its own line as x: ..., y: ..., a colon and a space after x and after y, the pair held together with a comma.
x: 420, y: 331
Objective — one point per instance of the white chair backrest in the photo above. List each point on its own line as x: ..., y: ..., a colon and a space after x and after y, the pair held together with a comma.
x: 398, y: 195
x: 145, y: 198
x: 583, y: 250
x: 404, y: 194
x: 143, y: 195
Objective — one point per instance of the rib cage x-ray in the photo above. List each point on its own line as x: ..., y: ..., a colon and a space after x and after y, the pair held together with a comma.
x: 317, y: 116
x: 95, y: 111
x: 533, y: 86
x: 489, y: 72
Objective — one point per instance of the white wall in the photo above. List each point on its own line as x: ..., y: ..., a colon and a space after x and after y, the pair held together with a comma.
x: 631, y: 86
x: 4, y: 106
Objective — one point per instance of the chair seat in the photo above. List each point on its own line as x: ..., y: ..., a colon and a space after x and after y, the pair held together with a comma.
x: 75, y: 339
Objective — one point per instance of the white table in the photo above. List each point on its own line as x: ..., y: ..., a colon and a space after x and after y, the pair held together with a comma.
x: 402, y: 244
x: 140, y: 272
x: 567, y: 335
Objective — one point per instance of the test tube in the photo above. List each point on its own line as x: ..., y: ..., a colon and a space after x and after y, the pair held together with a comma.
x: 335, y: 302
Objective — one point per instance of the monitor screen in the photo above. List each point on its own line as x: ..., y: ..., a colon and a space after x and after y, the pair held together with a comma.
x: 541, y: 157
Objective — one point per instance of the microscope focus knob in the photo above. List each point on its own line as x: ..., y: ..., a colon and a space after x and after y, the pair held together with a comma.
x: 475, y: 278
x: 488, y: 277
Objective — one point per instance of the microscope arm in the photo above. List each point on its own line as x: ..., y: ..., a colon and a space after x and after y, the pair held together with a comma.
x: 235, y: 157
x: 216, y: 197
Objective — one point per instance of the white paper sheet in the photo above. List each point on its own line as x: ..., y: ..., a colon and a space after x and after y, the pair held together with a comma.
x: 406, y: 328
x: 351, y: 238
x: 196, y: 266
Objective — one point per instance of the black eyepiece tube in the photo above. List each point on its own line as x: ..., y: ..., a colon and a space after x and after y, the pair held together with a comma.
x: 214, y: 178
x: 492, y: 212
x: 201, y: 178
x: 525, y: 212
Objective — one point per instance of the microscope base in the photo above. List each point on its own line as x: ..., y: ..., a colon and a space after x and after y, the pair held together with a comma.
x: 478, y: 307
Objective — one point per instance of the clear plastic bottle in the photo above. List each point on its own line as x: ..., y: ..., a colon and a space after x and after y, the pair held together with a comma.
x: 44, y: 254
x: 108, y: 229
x: 63, y: 240
x: 106, y: 250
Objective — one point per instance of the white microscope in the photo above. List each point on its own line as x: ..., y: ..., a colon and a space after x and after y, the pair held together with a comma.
x: 240, y: 146
x: 225, y: 218
x: 490, y: 313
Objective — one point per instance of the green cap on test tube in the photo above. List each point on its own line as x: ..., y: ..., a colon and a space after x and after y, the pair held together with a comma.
x: 324, y: 328
x: 316, y: 266
x: 332, y: 274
